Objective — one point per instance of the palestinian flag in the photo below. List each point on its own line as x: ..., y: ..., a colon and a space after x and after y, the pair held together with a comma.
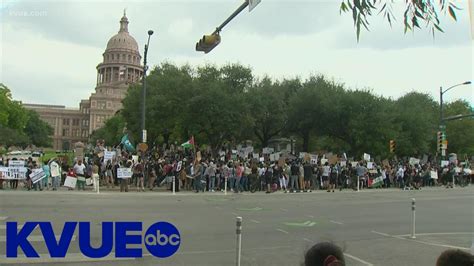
x: 127, y: 144
x: 377, y: 182
x: 189, y: 143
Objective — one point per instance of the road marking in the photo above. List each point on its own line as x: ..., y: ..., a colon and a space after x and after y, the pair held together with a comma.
x: 3, y: 218
x: 308, y: 240
x: 255, y: 221
x: 219, y: 208
x: 310, y: 216
x: 335, y: 222
x: 305, y: 224
x: 419, y: 241
x: 438, y: 234
x: 38, y: 239
x: 70, y: 257
x: 250, y: 209
x: 235, y: 214
x: 285, y: 210
x: 283, y: 231
x: 379, y: 233
x: 358, y: 259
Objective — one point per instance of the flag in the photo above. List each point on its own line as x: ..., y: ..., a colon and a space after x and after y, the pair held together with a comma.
x: 126, y: 143
x: 377, y: 182
x: 189, y: 143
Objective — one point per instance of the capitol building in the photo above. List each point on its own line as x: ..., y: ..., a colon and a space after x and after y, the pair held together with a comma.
x: 120, y: 67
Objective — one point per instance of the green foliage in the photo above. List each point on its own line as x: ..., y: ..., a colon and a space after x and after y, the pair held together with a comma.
x: 19, y: 126
x: 460, y: 133
x: 38, y: 131
x: 416, y: 13
x: 226, y: 105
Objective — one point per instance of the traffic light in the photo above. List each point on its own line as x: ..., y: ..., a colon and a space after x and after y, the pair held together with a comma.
x: 392, y: 146
x: 440, y: 141
x: 208, y: 42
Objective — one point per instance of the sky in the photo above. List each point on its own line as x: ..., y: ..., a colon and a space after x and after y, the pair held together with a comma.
x: 50, y: 49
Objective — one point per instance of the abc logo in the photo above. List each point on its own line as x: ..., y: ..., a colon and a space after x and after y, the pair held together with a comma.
x: 162, y: 239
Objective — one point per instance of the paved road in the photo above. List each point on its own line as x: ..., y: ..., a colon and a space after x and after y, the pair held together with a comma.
x: 373, y: 226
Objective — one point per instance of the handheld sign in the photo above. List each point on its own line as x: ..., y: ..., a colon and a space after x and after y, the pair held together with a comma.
x: 124, y: 173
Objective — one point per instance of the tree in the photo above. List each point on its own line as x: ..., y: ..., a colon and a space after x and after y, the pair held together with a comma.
x: 416, y: 118
x: 38, y: 131
x: 111, y: 132
x: 416, y: 13
x: 268, y: 108
x: 459, y: 132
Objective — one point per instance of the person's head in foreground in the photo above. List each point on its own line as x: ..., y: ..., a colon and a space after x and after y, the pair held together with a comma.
x: 455, y: 257
x: 324, y: 254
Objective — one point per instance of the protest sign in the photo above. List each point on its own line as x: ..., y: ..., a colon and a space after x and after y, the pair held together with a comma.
x: 262, y: 159
x: 444, y: 163
x: 268, y: 150
x: 333, y: 159
x: 16, y: 163
x: 256, y: 155
x: 354, y: 164
x: 55, y: 169
x: 366, y: 157
x: 323, y: 161
x: 370, y: 165
x: 414, y: 161
x: 109, y: 155
x: 274, y: 157
x: 135, y: 158
x: 178, y: 167
x: 434, y: 174
x: 222, y: 153
x: 124, y: 172
x: 467, y: 171
x: 36, y: 175
x: 343, y: 163
x: 458, y: 170
x: 4, y: 173
x: 70, y: 182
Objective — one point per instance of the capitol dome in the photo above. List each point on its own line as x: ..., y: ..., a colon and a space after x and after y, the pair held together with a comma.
x: 122, y: 40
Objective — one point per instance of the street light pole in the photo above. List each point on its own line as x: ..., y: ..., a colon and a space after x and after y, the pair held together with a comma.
x: 441, y: 110
x: 145, y: 68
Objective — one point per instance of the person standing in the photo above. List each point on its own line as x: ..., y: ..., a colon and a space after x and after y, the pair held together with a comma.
x: 55, y: 170
x: 211, y: 172
x: 47, y: 174
x: 95, y: 176
x: 294, y: 172
x: 197, y: 169
x: 238, y: 177
x: 79, y: 170
x: 140, y: 177
x: 326, y: 171
x: 308, y: 176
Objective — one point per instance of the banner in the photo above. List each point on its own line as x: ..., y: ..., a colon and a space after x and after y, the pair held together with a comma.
x: 414, y: 161
x: 36, y: 175
x: 70, y: 182
x: 109, y: 155
x: 4, y: 173
x: 16, y: 163
x: 267, y: 150
x: 124, y: 172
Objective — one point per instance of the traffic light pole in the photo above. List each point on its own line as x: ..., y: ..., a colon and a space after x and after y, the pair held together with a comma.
x: 232, y: 16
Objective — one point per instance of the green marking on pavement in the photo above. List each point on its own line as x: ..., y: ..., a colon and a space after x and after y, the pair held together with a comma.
x: 250, y: 209
x: 303, y: 224
x: 217, y: 199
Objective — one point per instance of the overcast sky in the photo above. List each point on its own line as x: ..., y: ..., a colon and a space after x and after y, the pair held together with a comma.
x: 50, y: 49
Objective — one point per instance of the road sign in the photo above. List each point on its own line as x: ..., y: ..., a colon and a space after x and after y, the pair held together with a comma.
x: 253, y: 4
x: 144, y: 135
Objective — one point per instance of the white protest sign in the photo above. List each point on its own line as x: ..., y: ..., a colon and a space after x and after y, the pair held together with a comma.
x: 323, y: 161
x: 179, y: 166
x: 354, y: 164
x: 467, y: 171
x: 36, y: 175
x: 274, y: 157
x: 366, y: 157
x: 135, y: 158
x: 256, y: 156
x: 414, y: 161
x: 313, y: 159
x: 301, y: 155
x: 370, y: 165
x: 124, y: 172
x: 222, y: 153
x: 262, y: 159
x: 4, y: 173
x: 16, y: 163
x: 444, y: 163
x: 434, y: 174
x: 55, y: 169
x: 458, y: 169
x: 267, y: 150
x: 109, y: 155
x: 343, y: 163
x: 70, y: 182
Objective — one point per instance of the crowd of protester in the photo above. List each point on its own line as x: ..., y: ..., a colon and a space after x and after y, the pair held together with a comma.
x: 199, y: 171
